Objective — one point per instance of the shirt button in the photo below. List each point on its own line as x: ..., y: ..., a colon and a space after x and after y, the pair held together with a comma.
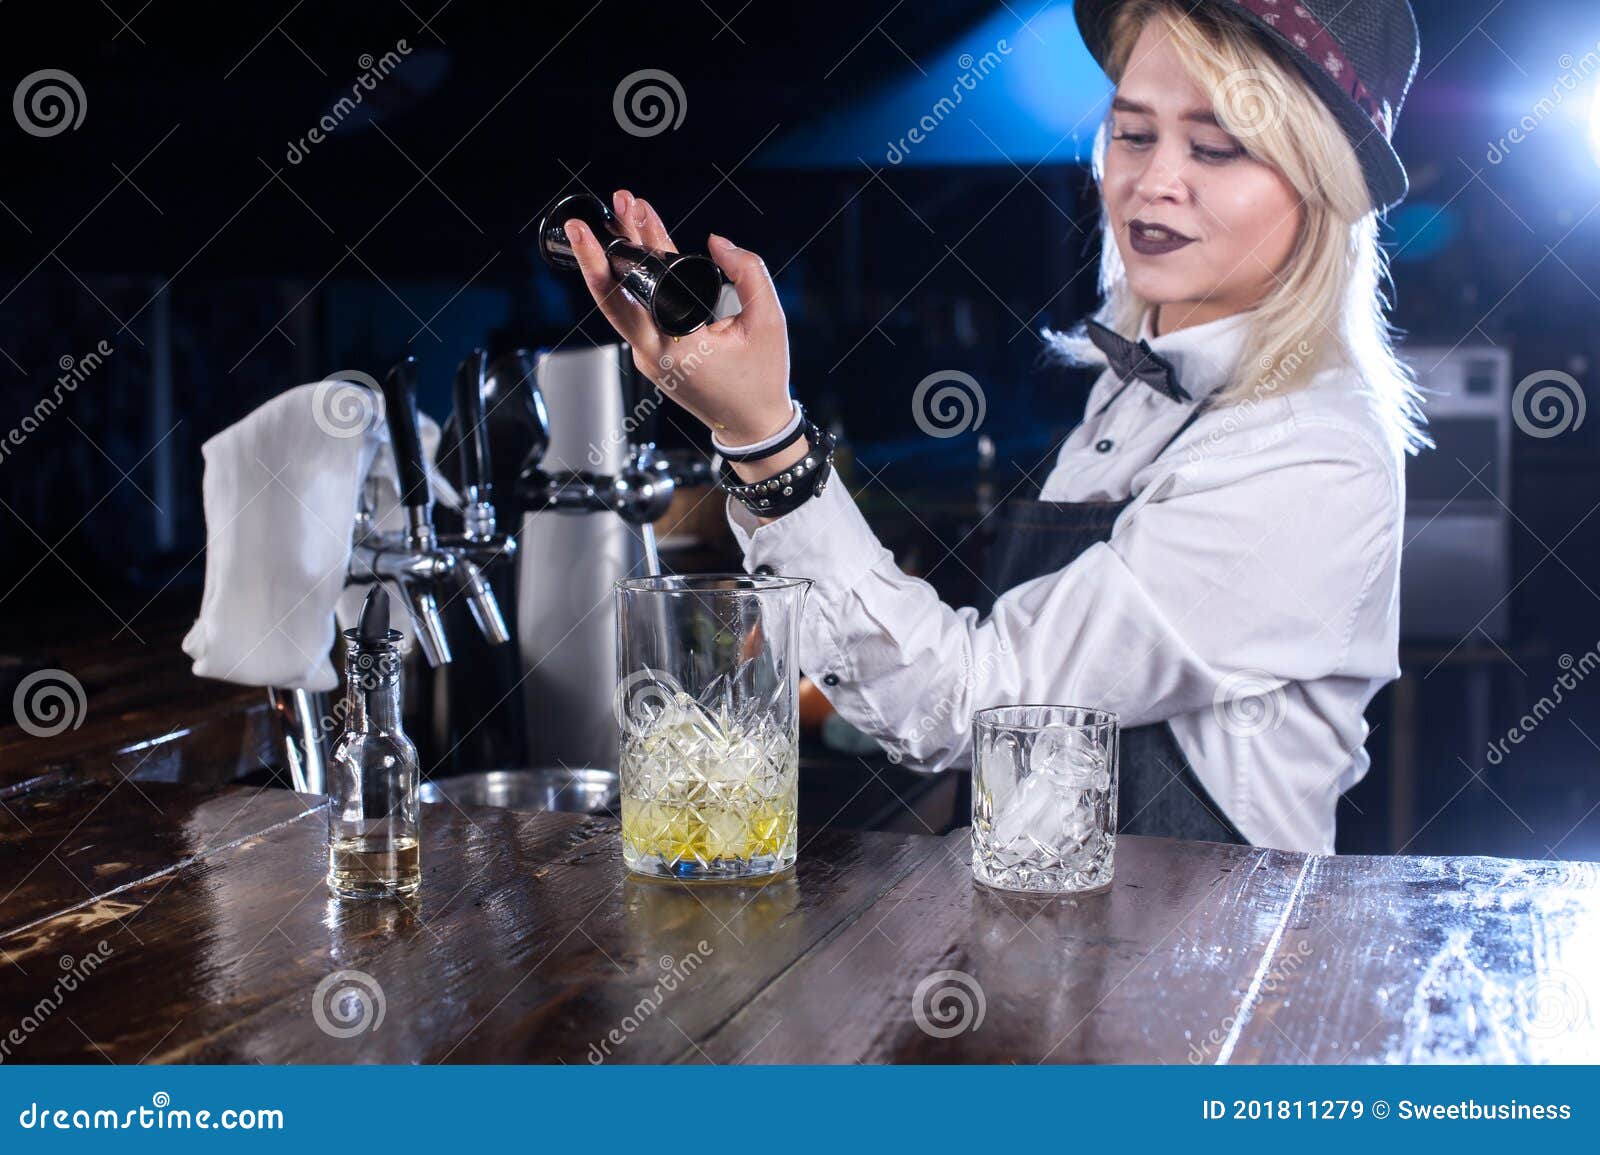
x: 830, y: 679
x: 765, y: 570
x: 1104, y: 445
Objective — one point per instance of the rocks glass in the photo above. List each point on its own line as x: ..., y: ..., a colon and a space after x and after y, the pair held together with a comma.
x: 1044, y: 798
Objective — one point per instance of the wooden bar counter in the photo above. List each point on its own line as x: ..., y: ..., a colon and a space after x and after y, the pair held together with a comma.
x: 195, y: 926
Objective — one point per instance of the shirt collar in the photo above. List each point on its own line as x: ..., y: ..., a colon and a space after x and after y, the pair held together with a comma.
x: 1204, y: 356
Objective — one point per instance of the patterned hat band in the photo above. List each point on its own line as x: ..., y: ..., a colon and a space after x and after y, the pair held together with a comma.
x: 1306, y: 32
x: 1358, y: 56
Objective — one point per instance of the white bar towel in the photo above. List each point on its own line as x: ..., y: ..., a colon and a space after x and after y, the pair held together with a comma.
x: 280, y: 491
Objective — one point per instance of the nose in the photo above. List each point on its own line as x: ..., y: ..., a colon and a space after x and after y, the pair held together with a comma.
x: 1163, y: 173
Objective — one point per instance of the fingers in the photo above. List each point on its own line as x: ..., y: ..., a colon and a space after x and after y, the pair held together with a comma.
x: 758, y: 298
x: 627, y: 318
x: 655, y: 232
x: 641, y: 221
x: 622, y: 204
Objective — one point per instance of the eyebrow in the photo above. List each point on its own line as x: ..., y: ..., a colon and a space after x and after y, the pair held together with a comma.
x: 1194, y: 115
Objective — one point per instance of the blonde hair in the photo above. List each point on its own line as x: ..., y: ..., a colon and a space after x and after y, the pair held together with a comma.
x: 1336, y: 268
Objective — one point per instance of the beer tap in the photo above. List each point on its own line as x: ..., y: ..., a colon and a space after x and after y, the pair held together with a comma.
x: 477, y: 486
x: 516, y: 422
x: 478, y: 545
x: 415, y: 558
x: 639, y: 492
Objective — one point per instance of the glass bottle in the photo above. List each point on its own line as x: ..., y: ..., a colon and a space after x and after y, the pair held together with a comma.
x: 373, y: 820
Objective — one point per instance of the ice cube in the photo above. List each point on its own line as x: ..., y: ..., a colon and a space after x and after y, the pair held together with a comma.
x: 1048, y: 752
x: 1077, y: 827
x: 1073, y: 761
x: 700, y: 720
x: 999, y: 767
x: 1028, y: 814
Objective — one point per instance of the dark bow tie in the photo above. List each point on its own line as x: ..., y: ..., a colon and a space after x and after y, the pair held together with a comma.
x: 1132, y: 360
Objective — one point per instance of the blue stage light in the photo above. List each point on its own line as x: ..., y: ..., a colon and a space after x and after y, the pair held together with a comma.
x: 1420, y: 230
x: 1594, y: 125
x: 1013, y: 89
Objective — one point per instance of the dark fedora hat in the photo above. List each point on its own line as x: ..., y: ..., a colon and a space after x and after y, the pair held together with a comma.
x: 1358, y: 55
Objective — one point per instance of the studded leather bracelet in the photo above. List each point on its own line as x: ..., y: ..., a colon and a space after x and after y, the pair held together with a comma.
x: 791, y: 487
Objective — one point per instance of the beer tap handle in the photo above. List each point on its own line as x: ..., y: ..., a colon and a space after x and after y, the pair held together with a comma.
x: 640, y: 398
x: 400, y: 407
x: 517, y: 422
x: 472, y: 430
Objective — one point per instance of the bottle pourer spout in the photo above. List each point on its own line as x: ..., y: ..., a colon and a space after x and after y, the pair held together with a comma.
x: 374, y: 623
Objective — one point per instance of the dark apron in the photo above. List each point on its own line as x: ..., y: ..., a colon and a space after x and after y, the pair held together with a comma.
x: 1158, y: 793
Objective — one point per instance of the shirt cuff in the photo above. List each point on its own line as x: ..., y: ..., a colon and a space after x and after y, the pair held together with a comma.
x: 826, y: 539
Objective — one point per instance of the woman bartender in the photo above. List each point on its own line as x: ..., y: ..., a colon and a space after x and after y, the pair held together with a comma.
x: 1215, y: 555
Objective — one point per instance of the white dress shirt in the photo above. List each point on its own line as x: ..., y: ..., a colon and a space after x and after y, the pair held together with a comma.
x: 1249, y: 595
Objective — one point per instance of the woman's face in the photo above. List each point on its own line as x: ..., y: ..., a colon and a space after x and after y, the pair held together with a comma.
x: 1202, y: 227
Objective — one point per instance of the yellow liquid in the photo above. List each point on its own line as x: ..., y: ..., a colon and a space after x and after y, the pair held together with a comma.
x: 707, y: 796
x: 373, y: 866
x: 707, y: 834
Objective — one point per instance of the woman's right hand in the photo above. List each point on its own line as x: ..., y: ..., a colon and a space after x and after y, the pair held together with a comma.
x: 734, y: 373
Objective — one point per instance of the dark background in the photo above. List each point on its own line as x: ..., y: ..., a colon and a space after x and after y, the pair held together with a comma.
x: 175, y: 208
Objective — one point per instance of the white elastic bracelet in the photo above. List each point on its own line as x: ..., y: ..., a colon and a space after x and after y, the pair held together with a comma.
x: 796, y: 416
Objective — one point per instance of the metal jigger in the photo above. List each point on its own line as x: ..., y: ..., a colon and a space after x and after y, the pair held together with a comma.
x: 679, y: 289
